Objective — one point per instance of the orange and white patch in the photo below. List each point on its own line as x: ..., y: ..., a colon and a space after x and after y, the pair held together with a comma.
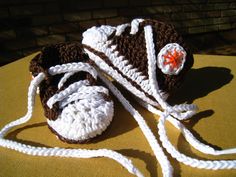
x: 171, y: 59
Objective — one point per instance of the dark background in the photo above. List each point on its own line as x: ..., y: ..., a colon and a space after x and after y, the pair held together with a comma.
x: 209, y: 26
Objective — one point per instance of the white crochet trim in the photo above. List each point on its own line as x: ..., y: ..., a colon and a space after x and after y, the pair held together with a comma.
x: 121, y: 28
x: 72, y: 67
x: 127, y: 69
x: 162, y: 61
x: 83, y: 119
x: 97, y: 35
x: 152, y: 66
x: 64, y: 79
x: 135, y: 25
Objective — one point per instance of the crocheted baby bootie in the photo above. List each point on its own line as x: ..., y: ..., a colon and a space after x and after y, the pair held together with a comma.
x: 140, y: 54
x: 76, y: 108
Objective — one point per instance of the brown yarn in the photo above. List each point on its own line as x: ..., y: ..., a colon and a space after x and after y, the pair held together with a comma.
x: 133, y: 48
x: 53, y: 55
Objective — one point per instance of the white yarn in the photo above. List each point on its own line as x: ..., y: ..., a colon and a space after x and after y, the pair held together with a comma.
x: 152, y: 66
x: 121, y: 28
x: 83, y: 119
x: 134, y: 25
x: 97, y: 35
x: 123, y: 65
x: 205, y: 164
x: 64, y: 79
x: 58, y: 152
x: 84, y: 92
x: 72, y: 67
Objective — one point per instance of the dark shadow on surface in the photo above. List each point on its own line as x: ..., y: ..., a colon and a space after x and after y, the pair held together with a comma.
x: 200, y: 82
x: 189, y: 125
x: 192, y: 122
x: 184, y: 146
x: 13, y: 135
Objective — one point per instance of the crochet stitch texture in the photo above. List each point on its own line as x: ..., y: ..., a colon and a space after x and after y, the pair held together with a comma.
x: 146, y: 57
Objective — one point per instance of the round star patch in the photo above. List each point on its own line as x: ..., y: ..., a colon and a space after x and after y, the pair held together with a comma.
x: 171, y: 59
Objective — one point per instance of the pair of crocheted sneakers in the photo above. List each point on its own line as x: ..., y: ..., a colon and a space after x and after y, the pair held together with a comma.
x: 76, y: 107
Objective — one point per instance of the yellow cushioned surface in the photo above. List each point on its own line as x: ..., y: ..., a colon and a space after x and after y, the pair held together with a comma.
x: 211, y: 85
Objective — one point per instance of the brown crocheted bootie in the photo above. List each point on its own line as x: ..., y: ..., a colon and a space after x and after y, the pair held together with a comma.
x: 140, y: 53
x: 76, y: 108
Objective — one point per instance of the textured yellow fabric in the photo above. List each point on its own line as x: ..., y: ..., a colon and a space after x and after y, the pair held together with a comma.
x: 211, y: 85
